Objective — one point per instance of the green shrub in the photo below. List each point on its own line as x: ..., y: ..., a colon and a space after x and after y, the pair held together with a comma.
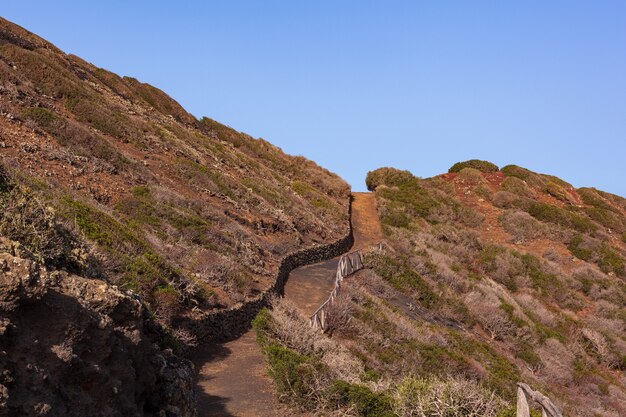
x: 403, y: 277
x: 223, y: 132
x: 539, y: 277
x: 166, y: 300
x: 43, y: 117
x: 395, y: 218
x: 558, y: 192
x: 607, y: 218
x: 565, y: 218
x: 391, y: 177
x: 527, y: 354
x: 590, y: 196
x: 517, y: 186
x: 482, y: 166
x: 76, y: 137
x: 606, y: 257
x: 360, y: 399
x: 575, y: 248
x: 294, y: 375
x: 262, y: 325
x: 611, y: 261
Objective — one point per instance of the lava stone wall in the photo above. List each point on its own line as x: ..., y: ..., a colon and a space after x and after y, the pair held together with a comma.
x: 230, y: 323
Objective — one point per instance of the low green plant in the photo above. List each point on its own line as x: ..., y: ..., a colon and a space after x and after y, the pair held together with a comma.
x: 42, y: 117
x: 360, y: 399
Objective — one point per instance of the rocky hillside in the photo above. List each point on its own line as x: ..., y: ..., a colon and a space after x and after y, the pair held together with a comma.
x: 188, y: 213
x: 488, y: 277
x: 121, y: 215
x: 73, y: 346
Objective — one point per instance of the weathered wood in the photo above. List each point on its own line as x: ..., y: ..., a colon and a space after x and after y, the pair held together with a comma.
x: 348, y: 264
x: 522, y: 404
x: 548, y: 408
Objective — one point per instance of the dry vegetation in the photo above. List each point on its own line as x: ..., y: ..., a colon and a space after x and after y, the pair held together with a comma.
x: 487, y: 278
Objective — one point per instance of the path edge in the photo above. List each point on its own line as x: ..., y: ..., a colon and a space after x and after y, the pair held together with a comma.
x: 228, y: 324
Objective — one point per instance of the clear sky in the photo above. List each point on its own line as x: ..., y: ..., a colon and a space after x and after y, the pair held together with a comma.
x: 355, y: 85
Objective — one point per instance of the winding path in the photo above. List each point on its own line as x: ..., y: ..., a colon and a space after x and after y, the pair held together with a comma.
x: 232, y: 378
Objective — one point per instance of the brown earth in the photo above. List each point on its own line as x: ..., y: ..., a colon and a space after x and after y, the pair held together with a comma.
x: 232, y: 379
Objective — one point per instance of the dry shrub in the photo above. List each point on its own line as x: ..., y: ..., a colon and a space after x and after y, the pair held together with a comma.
x: 472, y: 176
x: 522, y: 226
x: 27, y: 219
x: 597, y: 343
x: 558, y: 361
x: 290, y: 328
x: 451, y: 397
x: 338, y: 312
x: 538, y: 309
x: 375, y: 285
x: 505, y: 268
x: 504, y: 199
x: 486, y: 310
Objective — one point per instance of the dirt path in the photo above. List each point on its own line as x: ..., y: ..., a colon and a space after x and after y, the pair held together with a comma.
x: 232, y: 379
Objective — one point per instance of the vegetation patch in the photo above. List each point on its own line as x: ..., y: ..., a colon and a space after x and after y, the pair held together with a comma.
x: 402, y: 277
x: 553, y: 214
x: 390, y: 177
x: 482, y: 166
x: 361, y: 399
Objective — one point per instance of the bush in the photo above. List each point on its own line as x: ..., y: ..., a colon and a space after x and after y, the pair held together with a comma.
x: 517, y: 186
x: 445, y: 398
x: 402, y: 277
x: 42, y: 117
x: 505, y: 199
x: 294, y: 375
x: 27, y: 219
x: 75, y: 136
x: 390, y: 177
x: 360, y: 399
x: 482, y: 166
x: 590, y: 196
x: 565, y: 218
x: 472, y: 176
x: 592, y: 250
x: 531, y: 178
x: 522, y: 225
x: 165, y: 301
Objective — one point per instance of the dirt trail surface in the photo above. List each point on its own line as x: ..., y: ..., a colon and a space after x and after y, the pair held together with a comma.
x: 232, y: 377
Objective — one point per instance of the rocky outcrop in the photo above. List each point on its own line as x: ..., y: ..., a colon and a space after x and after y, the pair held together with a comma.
x: 72, y: 346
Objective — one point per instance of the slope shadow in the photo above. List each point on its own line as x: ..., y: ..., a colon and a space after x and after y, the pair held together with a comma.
x: 208, y: 404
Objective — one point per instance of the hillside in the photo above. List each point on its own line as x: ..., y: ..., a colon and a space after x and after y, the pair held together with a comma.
x: 177, y: 208
x: 110, y: 186
x: 487, y: 277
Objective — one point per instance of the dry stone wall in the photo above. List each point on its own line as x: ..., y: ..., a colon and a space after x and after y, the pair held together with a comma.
x: 231, y: 323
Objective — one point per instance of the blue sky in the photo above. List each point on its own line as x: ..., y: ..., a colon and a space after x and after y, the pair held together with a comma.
x: 355, y: 85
